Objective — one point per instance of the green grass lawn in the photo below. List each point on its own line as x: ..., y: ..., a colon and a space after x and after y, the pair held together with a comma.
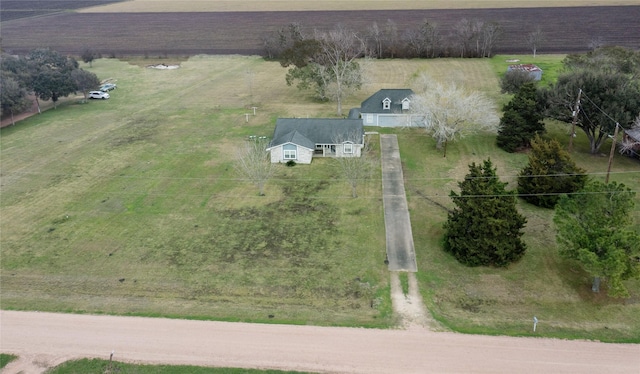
x: 5, y: 359
x: 131, y: 206
x: 551, y: 65
x: 504, y: 301
x: 104, y: 366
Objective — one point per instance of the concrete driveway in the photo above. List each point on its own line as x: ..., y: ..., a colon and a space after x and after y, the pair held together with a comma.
x: 400, y: 249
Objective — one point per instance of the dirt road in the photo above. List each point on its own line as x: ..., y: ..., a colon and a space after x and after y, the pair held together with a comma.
x: 46, y: 339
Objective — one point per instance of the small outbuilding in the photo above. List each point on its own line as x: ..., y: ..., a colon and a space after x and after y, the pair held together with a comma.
x: 631, y: 142
x: 534, y: 71
x: 301, y: 139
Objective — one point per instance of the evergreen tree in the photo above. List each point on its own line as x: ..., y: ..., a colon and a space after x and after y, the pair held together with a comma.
x: 522, y: 119
x: 549, y: 173
x: 612, y: 98
x: 85, y: 81
x: 88, y: 55
x: 51, y: 74
x: 594, y: 228
x: 485, y: 227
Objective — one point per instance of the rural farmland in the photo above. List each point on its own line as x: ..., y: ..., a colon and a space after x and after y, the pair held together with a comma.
x: 134, y: 206
x: 566, y: 29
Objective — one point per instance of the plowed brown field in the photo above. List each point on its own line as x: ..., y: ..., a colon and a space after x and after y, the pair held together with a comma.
x: 566, y: 30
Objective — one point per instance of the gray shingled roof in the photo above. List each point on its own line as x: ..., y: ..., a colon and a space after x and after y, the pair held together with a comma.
x: 634, y: 133
x: 374, y: 103
x: 308, y: 132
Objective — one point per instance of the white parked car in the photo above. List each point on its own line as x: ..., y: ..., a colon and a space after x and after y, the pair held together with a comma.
x: 98, y: 95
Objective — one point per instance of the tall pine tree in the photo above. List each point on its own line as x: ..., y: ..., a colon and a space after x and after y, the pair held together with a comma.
x: 522, y: 119
x: 549, y: 173
x: 485, y: 228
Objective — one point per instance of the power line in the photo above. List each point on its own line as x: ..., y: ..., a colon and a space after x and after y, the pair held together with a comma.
x: 376, y: 197
x: 215, y: 178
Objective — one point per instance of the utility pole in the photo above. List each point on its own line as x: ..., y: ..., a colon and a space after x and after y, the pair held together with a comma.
x: 613, y: 148
x: 576, y: 110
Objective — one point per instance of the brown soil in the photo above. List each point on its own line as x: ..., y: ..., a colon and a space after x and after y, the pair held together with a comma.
x: 566, y: 29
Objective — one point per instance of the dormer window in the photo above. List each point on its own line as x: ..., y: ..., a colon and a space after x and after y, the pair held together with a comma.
x: 386, y: 104
x: 405, y: 104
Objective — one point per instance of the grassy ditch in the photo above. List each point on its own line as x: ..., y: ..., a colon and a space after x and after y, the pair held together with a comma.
x: 105, y: 366
x: 6, y: 359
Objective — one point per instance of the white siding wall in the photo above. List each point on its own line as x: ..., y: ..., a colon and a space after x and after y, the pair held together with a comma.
x: 357, y: 151
x: 303, y: 155
x: 276, y: 154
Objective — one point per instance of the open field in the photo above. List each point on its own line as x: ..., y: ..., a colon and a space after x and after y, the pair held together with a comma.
x: 14, y: 9
x: 566, y: 29
x: 131, y: 206
x: 296, y: 5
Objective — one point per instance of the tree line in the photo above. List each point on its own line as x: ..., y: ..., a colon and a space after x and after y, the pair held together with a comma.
x: 45, y: 74
x: 469, y: 38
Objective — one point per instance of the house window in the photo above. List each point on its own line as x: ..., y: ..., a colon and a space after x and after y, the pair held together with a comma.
x: 405, y: 104
x: 289, y: 152
x: 386, y: 104
x: 347, y: 148
x: 369, y: 118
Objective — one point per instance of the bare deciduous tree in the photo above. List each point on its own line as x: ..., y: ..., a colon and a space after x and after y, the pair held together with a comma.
x: 391, y: 38
x: 254, y: 163
x: 534, y: 39
x: 375, y: 37
x: 339, y: 50
x: 431, y: 38
x: 413, y: 42
x: 355, y: 168
x: 491, y: 31
x: 595, y: 43
x: 465, y: 34
x: 449, y: 112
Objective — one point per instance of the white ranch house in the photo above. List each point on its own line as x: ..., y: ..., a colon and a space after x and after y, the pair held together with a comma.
x: 302, y: 139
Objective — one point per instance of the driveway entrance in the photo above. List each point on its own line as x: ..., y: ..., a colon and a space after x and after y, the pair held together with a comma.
x: 400, y: 249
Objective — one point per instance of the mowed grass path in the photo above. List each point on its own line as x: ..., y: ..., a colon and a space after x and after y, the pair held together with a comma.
x: 131, y: 206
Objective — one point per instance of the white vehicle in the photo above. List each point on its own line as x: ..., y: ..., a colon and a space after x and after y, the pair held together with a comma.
x: 98, y: 95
